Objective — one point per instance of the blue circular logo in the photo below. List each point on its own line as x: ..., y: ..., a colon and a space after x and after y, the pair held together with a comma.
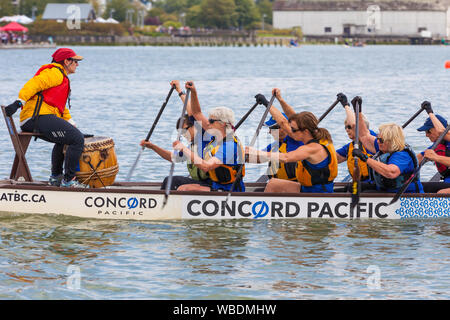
x: 132, y: 203
x: 260, y: 209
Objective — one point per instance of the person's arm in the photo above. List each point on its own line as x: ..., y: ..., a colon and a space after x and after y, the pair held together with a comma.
x: 288, y: 110
x: 340, y: 158
x: 195, y: 105
x: 365, y: 137
x: 390, y: 171
x: 433, y: 156
x: 163, y: 153
x: 182, y: 95
x: 301, y: 153
x: 204, y: 165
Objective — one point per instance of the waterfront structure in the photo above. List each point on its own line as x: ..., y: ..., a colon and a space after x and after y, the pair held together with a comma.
x: 359, y: 18
x: 65, y: 11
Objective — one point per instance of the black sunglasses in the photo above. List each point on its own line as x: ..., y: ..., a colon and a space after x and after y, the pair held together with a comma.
x: 211, y: 121
x: 296, y: 130
x: 348, y: 127
x: 275, y: 127
x: 75, y: 60
x: 380, y: 140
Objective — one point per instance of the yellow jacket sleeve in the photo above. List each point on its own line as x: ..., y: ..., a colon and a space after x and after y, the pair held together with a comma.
x: 48, y: 78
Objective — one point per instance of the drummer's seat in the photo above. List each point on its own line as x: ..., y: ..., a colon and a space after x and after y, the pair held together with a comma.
x: 20, y: 141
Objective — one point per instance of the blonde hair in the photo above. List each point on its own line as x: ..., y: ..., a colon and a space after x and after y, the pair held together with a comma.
x: 394, y: 134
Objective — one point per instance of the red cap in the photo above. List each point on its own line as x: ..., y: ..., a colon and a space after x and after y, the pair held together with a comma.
x: 65, y: 53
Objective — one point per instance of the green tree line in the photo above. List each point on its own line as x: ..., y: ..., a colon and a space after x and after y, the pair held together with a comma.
x: 222, y: 14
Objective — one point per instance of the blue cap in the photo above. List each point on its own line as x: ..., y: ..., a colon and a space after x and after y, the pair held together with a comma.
x: 272, y: 121
x: 429, y: 124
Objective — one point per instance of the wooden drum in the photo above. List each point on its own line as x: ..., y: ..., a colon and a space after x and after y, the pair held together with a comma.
x: 98, y: 162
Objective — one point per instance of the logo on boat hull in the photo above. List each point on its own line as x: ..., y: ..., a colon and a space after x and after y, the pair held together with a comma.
x: 258, y: 209
x: 113, y: 205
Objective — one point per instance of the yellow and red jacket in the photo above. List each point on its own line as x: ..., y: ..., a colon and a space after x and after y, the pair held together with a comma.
x: 51, y: 80
x: 363, y: 168
x: 309, y: 176
x: 225, y: 174
x: 284, y: 171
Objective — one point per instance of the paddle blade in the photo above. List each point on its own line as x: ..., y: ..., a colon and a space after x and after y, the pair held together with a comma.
x: 133, y: 167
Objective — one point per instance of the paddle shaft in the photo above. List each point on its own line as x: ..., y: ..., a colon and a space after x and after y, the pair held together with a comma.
x: 245, y: 116
x: 133, y: 167
x: 416, y: 171
x: 328, y: 110
x: 172, y: 166
x: 356, y: 188
x: 255, y: 136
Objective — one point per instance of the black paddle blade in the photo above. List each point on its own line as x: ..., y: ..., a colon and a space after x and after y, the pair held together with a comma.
x: 404, y: 187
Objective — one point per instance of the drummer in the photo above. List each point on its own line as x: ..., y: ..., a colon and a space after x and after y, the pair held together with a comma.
x: 397, y: 161
x: 223, y: 156
x: 433, y: 127
x: 43, y: 101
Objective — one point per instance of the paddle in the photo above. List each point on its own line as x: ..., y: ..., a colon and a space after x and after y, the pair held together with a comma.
x: 150, y: 132
x: 172, y: 167
x: 328, y: 110
x: 255, y: 136
x: 416, y: 171
x: 356, y: 188
x: 245, y: 116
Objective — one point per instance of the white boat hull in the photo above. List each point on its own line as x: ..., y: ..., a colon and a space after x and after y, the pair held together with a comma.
x: 139, y: 203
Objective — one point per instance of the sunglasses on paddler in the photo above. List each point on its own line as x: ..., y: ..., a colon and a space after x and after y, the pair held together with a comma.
x: 297, y: 130
x: 274, y: 127
x: 380, y: 140
x: 211, y: 121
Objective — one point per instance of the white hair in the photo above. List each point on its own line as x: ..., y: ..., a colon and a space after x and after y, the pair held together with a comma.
x: 224, y: 114
x: 346, y: 122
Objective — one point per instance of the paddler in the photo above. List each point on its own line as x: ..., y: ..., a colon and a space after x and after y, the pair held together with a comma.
x: 397, y: 161
x: 43, y: 101
x: 223, y: 156
x: 433, y: 127
x: 282, y: 143
x: 198, y: 139
x: 316, y: 160
x: 345, y: 153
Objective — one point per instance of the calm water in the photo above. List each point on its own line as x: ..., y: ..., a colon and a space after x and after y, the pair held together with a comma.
x: 117, y: 92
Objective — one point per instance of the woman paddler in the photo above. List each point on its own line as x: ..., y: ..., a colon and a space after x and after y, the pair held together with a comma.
x: 224, y: 154
x: 316, y: 160
x: 397, y: 161
x: 198, y: 139
x: 43, y: 101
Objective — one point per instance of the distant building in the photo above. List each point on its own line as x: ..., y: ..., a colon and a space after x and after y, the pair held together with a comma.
x: 349, y: 18
x: 64, y: 11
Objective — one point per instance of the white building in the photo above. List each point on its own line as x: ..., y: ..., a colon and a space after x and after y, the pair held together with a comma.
x: 365, y: 18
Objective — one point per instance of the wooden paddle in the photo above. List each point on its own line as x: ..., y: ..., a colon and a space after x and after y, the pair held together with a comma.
x: 356, y: 185
x: 255, y: 136
x: 172, y: 167
x: 416, y: 171
x: 150, y: 133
